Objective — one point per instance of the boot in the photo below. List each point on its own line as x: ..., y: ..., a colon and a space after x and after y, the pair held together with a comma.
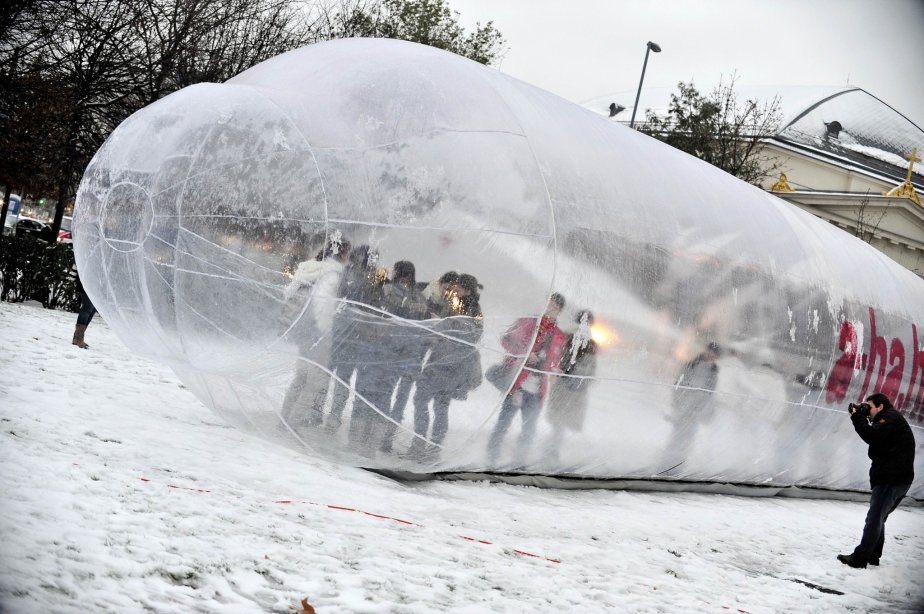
x: 417, y: 450
x: 78, y: 336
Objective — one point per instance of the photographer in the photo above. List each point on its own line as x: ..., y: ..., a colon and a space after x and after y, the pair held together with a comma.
x: 891, y: 448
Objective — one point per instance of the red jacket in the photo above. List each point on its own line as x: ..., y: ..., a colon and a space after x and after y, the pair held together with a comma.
x: 516, y: 342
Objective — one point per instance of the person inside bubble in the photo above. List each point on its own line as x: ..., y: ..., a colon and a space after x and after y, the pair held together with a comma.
x: 397, y: 355
x: 692, y: 404
x: 567, y: 404
x: 453, y: 367
x: 532, y: 382
x: 360, y: 303
x: 312, y: 292
x: 438, y: 293
x: 413, y: 352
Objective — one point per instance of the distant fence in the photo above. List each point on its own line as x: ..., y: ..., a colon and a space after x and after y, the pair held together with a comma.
x: 32, y: 269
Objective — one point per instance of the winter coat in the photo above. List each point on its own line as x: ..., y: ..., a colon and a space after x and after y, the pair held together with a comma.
x: 436, y: 302
x: 891, y: 446
x: 316, y: 282
x: 693, y: 390
x: 454, y: 363
x: 355, y: 331
x: 549, y: 343
x: 401, y: 345
x: 431, y: 291
x: 568, y: 397
x: 404, y: 301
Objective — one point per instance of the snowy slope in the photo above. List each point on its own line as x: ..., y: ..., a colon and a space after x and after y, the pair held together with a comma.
x: 121, y: 493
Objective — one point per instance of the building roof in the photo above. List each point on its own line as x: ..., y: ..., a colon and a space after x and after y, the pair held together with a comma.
x: 872, y: 135
x: 856, y: 127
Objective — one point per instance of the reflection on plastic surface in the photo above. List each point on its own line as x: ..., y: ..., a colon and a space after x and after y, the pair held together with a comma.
x: 397, y: 258
x: 853, y: 124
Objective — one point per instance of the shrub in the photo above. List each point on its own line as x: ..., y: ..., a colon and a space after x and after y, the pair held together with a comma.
x: 31, y: 269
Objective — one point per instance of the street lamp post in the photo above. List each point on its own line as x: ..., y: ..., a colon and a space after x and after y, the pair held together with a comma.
x: 648, y: 49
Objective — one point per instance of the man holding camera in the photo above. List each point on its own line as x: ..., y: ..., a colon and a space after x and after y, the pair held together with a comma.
x: 891, y: 448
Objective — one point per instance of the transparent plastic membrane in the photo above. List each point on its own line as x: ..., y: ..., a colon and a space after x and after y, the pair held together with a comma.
x: 350, y: 249
x: 855, y: 125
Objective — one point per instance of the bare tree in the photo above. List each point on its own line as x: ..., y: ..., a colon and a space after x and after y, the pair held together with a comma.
x: 101, y: 60
x: 183, y: 42
x: 92, y: 59
x: 70, y: 61
x: 72, y: 70
x: 24, y: 32
x: 867, y: 222
x: 719, y: 129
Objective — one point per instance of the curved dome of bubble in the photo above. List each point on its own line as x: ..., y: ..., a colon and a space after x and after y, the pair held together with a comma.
x: 730, y: 330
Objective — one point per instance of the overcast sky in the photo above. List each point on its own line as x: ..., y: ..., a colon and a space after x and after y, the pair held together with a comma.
x: 588, y: 49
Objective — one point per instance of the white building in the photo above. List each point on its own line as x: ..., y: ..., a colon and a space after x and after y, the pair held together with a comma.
x: 845, y: 158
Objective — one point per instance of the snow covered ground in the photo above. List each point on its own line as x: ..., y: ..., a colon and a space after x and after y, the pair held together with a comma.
x: 120, y: 492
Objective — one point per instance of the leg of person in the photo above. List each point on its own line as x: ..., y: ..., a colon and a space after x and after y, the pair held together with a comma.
x: 378, y: 386
x: 422, y: 399
x: 296, y: 386
x: 507, y: 412
x: 531, y: 406
x: 402, y: 394
x: 553, y: 444
x: 361, y: 428
x: 897, y: 495
x: 882, y: 501
x: 388, y: 382
x: 313, y: 397
x: 683, y: 433
x: 317, y: 401
x: 440, y: 416
x: 341, y: 383
x: 87, y: 310
x: 363, y: 417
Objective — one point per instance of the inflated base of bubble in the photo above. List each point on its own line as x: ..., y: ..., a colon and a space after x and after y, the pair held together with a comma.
x: 590, y: 483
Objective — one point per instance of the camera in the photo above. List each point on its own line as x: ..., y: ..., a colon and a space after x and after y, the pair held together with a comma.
x: 863, y: 408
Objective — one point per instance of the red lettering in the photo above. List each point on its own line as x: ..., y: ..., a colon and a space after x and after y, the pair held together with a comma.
x: 841, y: 374
x: 877, y: 352
x: 887, y: 360
x: 893, y: 381
x: 914, y: 403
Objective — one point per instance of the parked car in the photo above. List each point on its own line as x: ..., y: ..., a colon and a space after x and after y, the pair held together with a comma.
x: 28, y: 227
x: 65, y: 233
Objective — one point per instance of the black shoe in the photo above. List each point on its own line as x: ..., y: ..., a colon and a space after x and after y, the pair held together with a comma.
x: 851, y: 561
x: 874, y: 562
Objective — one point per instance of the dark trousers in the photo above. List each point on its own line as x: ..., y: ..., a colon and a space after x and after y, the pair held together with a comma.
x: 402, y: 391
x: 87, y: 310
x: 883, y: 501
x: 530, y: 405
x: 342, y: 372
x: 441, y: 401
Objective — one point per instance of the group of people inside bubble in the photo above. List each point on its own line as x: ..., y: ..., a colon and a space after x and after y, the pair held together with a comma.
x: 395, y: 334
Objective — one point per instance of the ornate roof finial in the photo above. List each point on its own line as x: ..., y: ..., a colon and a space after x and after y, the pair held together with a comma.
x: 906, y: 189
x: 782, y: 185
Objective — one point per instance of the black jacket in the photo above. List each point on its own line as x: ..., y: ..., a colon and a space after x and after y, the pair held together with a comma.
x: 891, y: 446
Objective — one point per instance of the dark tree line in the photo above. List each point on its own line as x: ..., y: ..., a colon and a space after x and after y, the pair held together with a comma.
x: 72, y: 70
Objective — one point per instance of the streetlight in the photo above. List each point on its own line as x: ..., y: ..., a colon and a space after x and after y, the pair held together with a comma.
x: 649, y: 48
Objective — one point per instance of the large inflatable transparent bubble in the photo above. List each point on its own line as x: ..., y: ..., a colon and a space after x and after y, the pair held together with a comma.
x: 391, y: 256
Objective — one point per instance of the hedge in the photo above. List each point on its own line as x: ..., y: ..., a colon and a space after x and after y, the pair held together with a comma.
x: 31, y: 269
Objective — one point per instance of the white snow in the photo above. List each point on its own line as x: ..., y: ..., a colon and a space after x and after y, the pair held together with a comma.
x: 879, y: 154
x: 122, y: 493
